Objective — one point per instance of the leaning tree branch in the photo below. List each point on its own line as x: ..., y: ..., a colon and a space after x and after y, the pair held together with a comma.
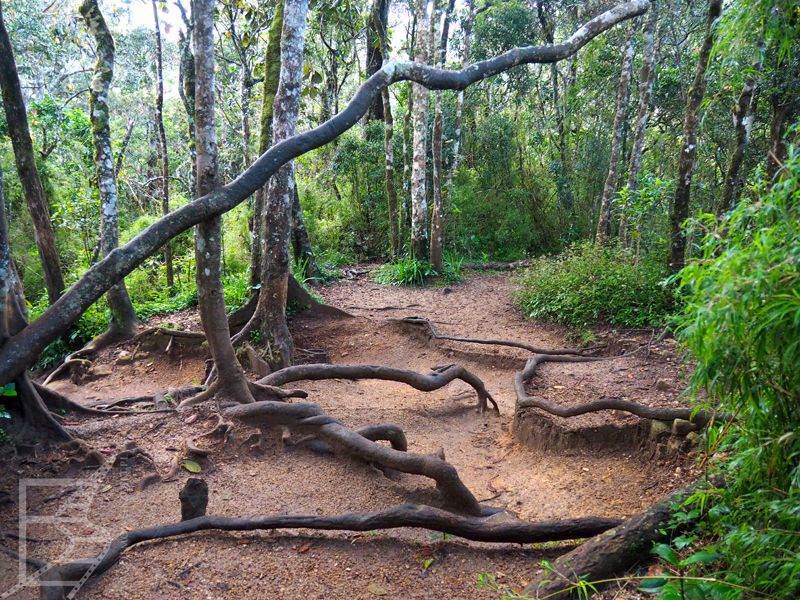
x: 439, y: 377
x: 427, y: 324
x: 700, y: 417
x: 308, y: 418
x: 22, y: 350
x: 482, y: 529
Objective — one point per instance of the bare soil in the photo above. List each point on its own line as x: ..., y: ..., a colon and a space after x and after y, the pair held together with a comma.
x: 534, y: 482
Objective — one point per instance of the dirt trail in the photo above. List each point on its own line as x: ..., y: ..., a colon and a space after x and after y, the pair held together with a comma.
x: 533, y: 483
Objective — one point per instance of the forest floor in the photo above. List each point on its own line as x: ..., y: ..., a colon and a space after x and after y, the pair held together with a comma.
x: 534, y: 482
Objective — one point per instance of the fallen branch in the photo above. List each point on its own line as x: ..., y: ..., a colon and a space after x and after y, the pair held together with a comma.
x: 174, y: 333
x: 699, y: 417
x: 427, y: 324
x: 498, y: 528
x: 439, y: 377
x: 308, y: 418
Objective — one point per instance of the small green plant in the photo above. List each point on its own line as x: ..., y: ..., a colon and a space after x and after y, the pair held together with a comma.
x: 452, y: 269
x: 587, y: 285
x: 404, y: 271
x: 488, y: 581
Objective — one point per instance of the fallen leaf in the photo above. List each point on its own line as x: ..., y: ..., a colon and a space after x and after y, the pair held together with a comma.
x: 105, y: 488
x: 192, y: 466
x: 376, y: 589
x: 304, y: 548
x: 191, y: 419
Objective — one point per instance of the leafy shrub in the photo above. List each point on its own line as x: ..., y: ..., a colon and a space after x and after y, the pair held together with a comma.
x: 742, y: 324
x: 404, y: 271
x: 586, y: 285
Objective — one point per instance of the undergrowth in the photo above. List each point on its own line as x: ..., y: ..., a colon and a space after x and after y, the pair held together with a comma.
x: 409, y: 271
x: 742, y: 324
x: 587, y: 285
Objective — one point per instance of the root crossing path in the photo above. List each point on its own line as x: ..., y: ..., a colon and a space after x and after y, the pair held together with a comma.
x: 535, y: 484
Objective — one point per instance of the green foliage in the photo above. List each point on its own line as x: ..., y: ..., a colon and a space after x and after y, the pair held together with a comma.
x: 587, y: 285
x: 742, y: 324
x: 404, y: 271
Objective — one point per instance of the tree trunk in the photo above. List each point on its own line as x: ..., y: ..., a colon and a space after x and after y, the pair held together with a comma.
x: 186, y: 87
x: 743, y: 116
x: 646, y: 76
x: 303, y: 253
x: 679, y: 211
x: 391, y: 191
x: 19, y: 132
x: 785, y: 108
x: 610, y: 188
x: 123, y: 317
x: 466, y: 26
x: 38, y: 422
x: 376, y: 46
x: 208, y: 235
x: 272, y: 75
x: 270, y: 312
x: 419, y: 199
x: 162, y: 143
x: 125, y: 141
x: 437, y: 215
x: 26, y: 345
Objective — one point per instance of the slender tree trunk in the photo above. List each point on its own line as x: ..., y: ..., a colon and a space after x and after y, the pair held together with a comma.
x: 466, y: 26
x: 270, y: 311
x: 610, y: 188
x: 785, y: 108
x: 679, y: 211
x: 19, y: 132
x: 743, y: 115
x: 376, y: 46
x: 391, y: 191
x: 208, y: 234
x: 272, y: 74
x: 162, y: 142
x: 123, y: 148
x: 186, y: 87
x: 123, y: 317
x: 646, y: 77
x: 301, y: 243
x: 437, y: 215
x: 419, y: 196
x: 13, y: 318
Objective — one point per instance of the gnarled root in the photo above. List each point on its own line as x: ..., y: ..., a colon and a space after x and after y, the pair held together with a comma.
x: 439, y: 377
x: 428, y: 326
x: 308, y: 418
x: 700, y: 417
x: 499, y: 528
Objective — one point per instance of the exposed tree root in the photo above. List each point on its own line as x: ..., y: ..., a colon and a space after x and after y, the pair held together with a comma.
x: 173, y: 333
x: 700, y: 417
x: 498, y: 528
x: 165, y: 398
x: 439, y: 377
x: 77, y: 358
x: 610, y: 553
x: 431, y: 329
x: 308, y: 418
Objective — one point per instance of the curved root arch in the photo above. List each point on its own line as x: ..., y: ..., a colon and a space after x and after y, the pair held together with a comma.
x: 439, y: 377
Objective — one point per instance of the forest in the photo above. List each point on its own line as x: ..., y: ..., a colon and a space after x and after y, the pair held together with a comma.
x: 415, y: 299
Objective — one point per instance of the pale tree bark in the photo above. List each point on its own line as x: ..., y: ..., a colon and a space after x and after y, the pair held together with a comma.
x: 679, y: 211
x: 23, y: 349
x: 376, y: 49
x: 466, y: 26
x: 419, y: 194
x: 123, y: 317
x: 610, y: 187
x: 19, y: 132
x: 743, y: 116
x: 646, y: 77
x: 270, y: 313
x: 208, y: 235
x: 437, y: 215
x: 186, y: 85
x: 391, y: 190
x: 272, y: 75
x: 162, y: 142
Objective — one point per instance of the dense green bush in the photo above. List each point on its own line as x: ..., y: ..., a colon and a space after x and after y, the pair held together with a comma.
x: 412, y: 272
x: 587, y: 285
x: 742, y: 324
